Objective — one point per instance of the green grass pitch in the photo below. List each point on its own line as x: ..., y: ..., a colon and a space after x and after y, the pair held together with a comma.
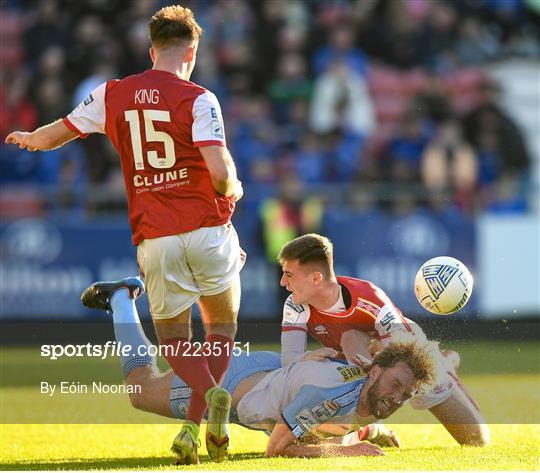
x: 503, y: 376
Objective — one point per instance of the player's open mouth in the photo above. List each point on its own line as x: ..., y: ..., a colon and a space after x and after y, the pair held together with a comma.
x: 387, y: 405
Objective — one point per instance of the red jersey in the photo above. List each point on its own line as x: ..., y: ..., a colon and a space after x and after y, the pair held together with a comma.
x: 157, y: 122
x: 365, y: 308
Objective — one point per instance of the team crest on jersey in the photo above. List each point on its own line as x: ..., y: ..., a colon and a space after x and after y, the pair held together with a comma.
x: 351, y: 373
x: 308, y: 419
x: 182, y: 408
x: 88, y: 100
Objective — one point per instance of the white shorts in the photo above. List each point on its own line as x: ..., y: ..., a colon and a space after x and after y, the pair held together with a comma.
x: 178, y: 269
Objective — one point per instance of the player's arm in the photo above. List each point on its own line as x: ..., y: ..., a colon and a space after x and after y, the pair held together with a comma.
x: 223, y: 171
x: 208, y: 135
x: 294, y: 336
x: 88, y: 117
x: 44, y: 138
x: 354, y: 342
x: 293, y: 346
x: 284, y: 443
x: 462, y: 418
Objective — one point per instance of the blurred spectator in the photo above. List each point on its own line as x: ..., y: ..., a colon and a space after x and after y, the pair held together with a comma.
x: 440, y: 33
x: 137, y: 43
x: 449, y: 168
x: 254, y: 134
x: 51, y: 101
x: 103, y: 72
x: 433, y: 102
x: 288, y: 215
x: 341, y: 100
x: 48, y: 29
x: 291, y: 131
x: 489, y: 129
x: 52, y: 63
x: 289, y: 85
x: 476, y: 44
x: 310, y: 160
x: 344, y: 151
x: 406, y: 149
x: 87, y: 45
x: 340, y: 49
x: 17, y: 112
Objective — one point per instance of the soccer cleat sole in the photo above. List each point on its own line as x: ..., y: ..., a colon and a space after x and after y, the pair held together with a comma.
x: 98, y: 295
x: 217, y: 429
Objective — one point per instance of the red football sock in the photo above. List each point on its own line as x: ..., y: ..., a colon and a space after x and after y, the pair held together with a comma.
x: 194, y: 370
x: 197, y: 408
x: 218, y: 364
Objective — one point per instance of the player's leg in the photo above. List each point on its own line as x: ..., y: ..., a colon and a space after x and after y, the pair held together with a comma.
x: 215, y: 259
x: 151, y: 391
x: 219, y: 313
x: 172, y: 291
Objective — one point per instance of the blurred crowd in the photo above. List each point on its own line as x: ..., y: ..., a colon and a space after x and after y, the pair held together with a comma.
x: 381, y: 104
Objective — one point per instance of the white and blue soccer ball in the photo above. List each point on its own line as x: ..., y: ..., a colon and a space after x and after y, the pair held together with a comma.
x: 443, y: 285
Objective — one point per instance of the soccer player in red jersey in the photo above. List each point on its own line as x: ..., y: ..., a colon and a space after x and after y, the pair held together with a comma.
x: 350, y: 317
x: 182, y: 188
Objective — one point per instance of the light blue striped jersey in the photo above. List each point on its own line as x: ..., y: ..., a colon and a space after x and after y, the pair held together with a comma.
x: 305, y: 395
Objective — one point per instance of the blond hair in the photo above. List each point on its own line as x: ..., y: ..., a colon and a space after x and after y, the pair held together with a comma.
x: 173, y: 26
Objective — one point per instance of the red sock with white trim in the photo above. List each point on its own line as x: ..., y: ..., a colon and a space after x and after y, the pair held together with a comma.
x: 221, y: 348
x: 194, y: 371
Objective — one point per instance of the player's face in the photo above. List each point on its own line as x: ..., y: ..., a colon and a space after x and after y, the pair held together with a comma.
x: 298, y: 280
x: 390, y: 390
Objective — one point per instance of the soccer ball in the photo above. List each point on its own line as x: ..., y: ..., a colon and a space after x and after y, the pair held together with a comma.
x: 443, y: 285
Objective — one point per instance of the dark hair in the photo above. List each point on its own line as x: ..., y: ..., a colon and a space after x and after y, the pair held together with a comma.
x: 173, y: 26
x: 310, y: 248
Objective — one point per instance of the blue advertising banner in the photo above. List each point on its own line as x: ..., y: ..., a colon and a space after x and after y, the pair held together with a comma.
x: 44, y: 266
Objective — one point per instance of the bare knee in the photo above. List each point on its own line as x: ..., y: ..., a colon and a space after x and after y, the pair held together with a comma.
x: 138, y: 379
x: 137, y: 400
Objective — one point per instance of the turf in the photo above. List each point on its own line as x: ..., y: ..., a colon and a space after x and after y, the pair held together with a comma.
x: 504, y: 377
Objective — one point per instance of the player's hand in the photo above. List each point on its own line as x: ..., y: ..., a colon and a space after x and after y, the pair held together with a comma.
x: 379, y: 435
x: 366, y: 448
x: 238, y: 192
x: 375, y: 346
x: 320, y: 354
x: 452, y: 359
x: 361, y: 361
x: 20, y: 138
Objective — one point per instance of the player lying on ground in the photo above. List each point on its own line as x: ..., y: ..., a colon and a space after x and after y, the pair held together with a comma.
x: 308, y: 398
x: 345, y: 314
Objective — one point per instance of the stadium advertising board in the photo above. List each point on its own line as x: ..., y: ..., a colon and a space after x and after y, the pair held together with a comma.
x: 48, y: 265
